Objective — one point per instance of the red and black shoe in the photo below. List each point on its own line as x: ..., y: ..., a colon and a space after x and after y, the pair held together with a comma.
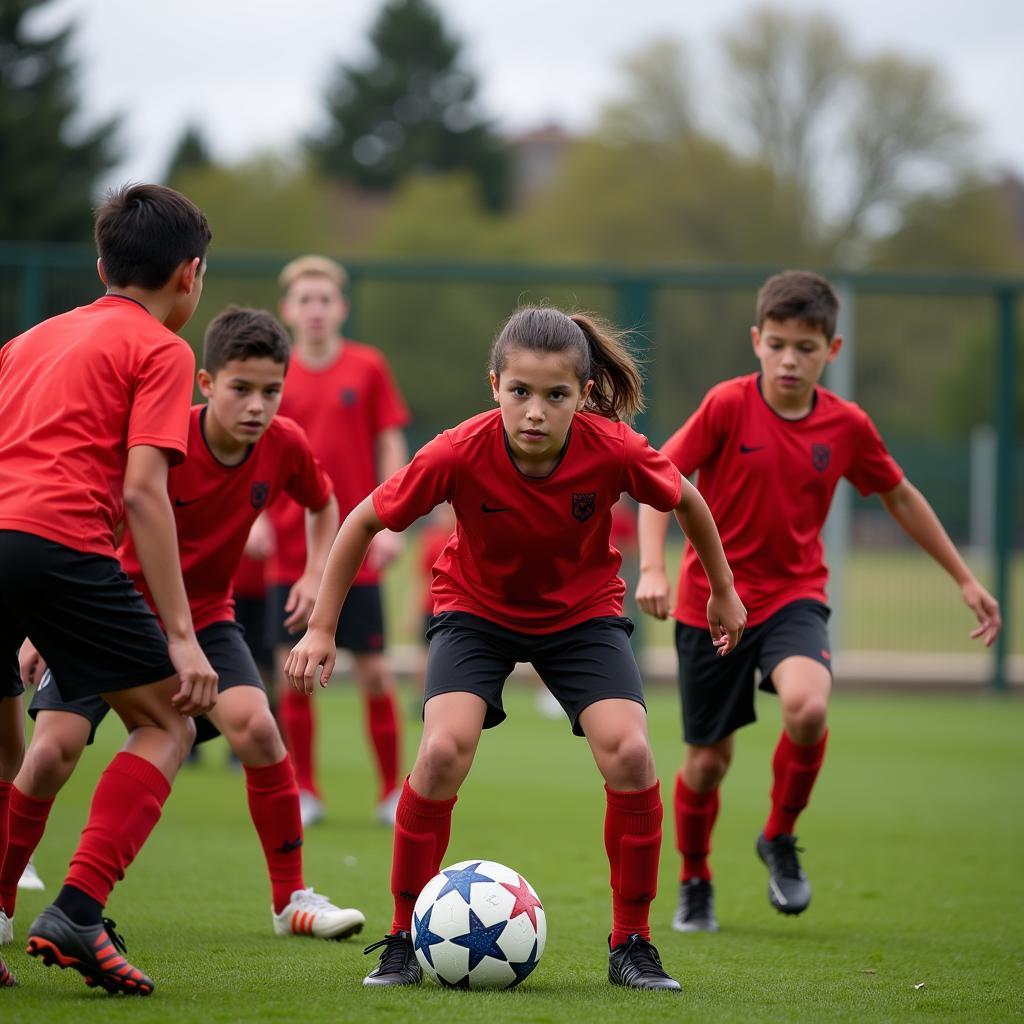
x: 7, y: 980
x: 94, y: 950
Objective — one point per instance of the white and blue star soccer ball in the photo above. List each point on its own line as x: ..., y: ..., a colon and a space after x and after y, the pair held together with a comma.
x: 478, y: 924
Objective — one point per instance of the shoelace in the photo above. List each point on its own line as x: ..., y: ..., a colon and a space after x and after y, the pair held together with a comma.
x: 395, y: 954
x: 310, y: 900
x: 644, y: 957
x: 784, y: 851
x: 116, y: 939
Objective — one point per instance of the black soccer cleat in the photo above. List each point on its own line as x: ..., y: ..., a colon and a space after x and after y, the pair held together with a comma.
x: 789, y: 892
x: 94, y: 950
x: 696, y: 910
x: 636, y: 964
x: 398, y: 964
x: 7, y: 980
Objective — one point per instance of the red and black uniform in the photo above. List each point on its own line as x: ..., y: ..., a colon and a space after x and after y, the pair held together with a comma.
x: 529, y: 574
x: 250, y: 591
x: 769, y: 483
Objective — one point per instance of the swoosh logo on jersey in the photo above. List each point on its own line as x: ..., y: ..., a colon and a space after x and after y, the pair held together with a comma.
x: 746, y: 449
x: 178, y: 503
x: 484, y: 507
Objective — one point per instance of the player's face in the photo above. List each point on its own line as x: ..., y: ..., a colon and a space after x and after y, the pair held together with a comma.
x: 243, y: 396
x: 538, y: 393
x: 793, y: 356
x: 314, y: 309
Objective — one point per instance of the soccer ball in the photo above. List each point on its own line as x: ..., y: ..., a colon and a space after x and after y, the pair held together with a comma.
x: 478, y: 924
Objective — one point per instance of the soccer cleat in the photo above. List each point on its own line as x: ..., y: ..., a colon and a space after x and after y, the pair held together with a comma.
x: 309, y: 913
x: 788, y: 889
x: 696, y: 910
x: 94, y: 950
x: 398, y: 964
x: 311, y: 808
x: 6, y: 929
x: 30, y: 877
x: 7, y: 980
x: 548, y: 706
x: 388, y: 808
x: 635, y: 963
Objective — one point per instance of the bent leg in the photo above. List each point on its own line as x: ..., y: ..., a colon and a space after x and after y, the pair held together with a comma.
x: 298, y: 726
x: 377, y: 685
x: 696, y: 804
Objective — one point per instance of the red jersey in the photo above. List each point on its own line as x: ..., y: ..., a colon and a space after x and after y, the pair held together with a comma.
x: 215, y: 506
x: 531, y: 554
x: 769, y: 483
x: 342, y: 408
x: 433, y: 541
x: 251, y: 578
x: 76, y: 392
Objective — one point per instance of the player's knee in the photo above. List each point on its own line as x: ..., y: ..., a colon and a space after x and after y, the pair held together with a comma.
x: 632, y: 763
x: 262, y: 738
x: 48, y: 764
x: 442, y: 760
x: 806, y: 721
x: 706, y: 766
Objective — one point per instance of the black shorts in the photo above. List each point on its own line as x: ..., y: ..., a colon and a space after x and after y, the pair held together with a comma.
x: 222, y: 643
x: 360, y: 625
x: 10, y: 680
x: 82, y: 612
x: 718, y: 693
x: 588, y: 662
x: 251, y: 615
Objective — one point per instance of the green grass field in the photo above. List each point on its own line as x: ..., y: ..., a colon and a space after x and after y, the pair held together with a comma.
x: 913, y: 845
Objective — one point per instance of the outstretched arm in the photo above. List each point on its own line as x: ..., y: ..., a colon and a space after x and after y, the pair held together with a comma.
x: 726, y: 614
x: 321, y: 527
x: 314, y: 655
x: 909, y: 507
x: 653, y: 594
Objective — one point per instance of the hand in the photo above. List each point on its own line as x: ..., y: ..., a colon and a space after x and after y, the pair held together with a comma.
x: 384, y: 549
x: 301, y: 599
x: 261, y: 541
x: 198, y: 691
x: 30, y: 664
x: 312, y: 658
x: 986, y: 608
x: 653, y: 594
x: 726, y: 617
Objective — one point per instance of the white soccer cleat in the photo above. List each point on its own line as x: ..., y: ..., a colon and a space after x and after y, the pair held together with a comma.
x: 30, y: 877
x: 311, y: 808
x: 309, y: 913
x: 388, y: 808
x: 6, y: 929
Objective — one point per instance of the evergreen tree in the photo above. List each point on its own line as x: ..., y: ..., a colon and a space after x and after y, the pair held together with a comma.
x: 48, y: 172
x: 190, y: 154
x: 411, y: 109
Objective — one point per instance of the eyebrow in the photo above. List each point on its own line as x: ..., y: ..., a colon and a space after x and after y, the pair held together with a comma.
x: 516, y: 383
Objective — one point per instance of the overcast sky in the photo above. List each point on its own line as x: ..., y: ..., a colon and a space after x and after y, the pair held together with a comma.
x: 252, y: 73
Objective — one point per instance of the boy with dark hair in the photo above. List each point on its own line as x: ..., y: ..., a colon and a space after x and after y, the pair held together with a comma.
x: 240, y: 458
x: 769, y: 449
x: 93, y: 412
x: 338, y: 389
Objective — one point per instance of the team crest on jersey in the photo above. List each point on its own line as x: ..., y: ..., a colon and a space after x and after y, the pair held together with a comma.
x: 583, y: 506
x: 258, y: 495
x: 348, y: 397
x: 820, y: 455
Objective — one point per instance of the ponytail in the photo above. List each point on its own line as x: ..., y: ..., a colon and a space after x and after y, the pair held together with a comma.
x: 601, y: 356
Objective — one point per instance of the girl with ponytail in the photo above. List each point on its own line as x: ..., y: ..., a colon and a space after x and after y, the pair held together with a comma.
x: 529, y: 574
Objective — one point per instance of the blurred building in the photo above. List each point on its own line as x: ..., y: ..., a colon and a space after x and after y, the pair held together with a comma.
x: 537, y: 156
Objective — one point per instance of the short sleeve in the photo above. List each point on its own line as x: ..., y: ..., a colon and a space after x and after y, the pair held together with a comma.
x: 700, y: 437
x: 162, y: 400
x: 307, y: 483
x: 873, y: 470
x: 418, y: 487
x: 648, y: 476
x: 389, y: 408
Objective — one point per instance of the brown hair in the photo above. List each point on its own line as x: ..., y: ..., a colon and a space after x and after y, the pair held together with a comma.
x: 799, y: 295
x: 143, y: 232
x: 601, y: 355
x: 240, y: 333
x: 312, y: 266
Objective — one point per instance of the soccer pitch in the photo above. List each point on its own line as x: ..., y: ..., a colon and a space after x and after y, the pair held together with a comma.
x: 913, y: 845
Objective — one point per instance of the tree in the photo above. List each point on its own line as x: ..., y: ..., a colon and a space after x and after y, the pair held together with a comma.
x: 48, y: 171
x: 410, y: 109
x: 190, y: 154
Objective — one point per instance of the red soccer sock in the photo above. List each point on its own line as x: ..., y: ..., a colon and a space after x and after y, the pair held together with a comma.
x: 27, y: 817
x: 632, y: 839
x: 274, y: 806
x: 382, y: 726
x: 5, y: 803
x: 695, y: 818
x: 299, y: 729
x: 794, y: 768
x: 125, y: 808
x: 422, y: 830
